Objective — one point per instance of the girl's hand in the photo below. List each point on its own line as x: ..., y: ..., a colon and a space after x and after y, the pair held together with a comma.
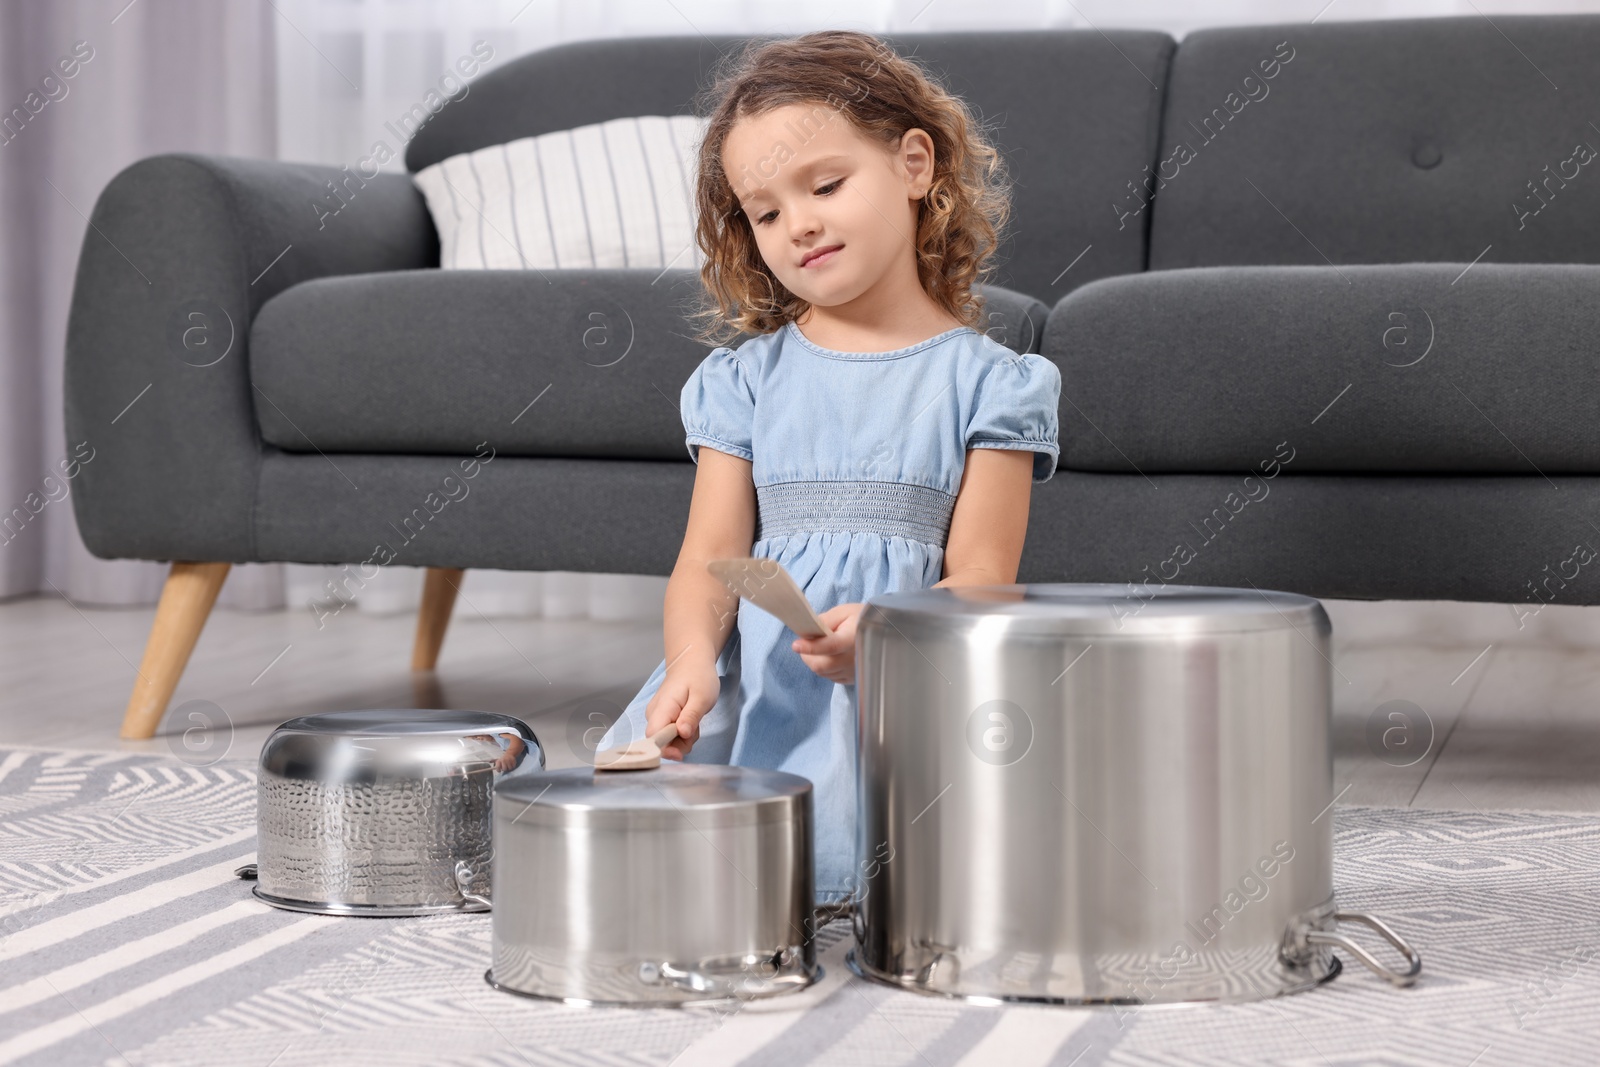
x: 834, y: 656
x: 684, y: 696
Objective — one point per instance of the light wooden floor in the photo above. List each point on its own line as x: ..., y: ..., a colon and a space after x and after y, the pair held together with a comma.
x: 1515, y: 715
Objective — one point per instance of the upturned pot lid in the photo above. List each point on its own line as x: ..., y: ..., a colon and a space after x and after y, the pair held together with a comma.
x: 1103, y: 609
x: 675, y: 794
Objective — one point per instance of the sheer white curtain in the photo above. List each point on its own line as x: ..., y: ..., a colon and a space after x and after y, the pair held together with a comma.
x: 317, y: 81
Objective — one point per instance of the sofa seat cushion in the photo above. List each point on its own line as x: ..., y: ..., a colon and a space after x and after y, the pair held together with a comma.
x: 580, y: 363
x: 1420, y: 367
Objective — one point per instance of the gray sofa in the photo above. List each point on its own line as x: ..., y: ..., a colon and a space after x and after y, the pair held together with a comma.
x: 1344, y: 349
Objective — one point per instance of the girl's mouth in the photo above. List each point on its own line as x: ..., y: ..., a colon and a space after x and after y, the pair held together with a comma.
x: 819, y: 260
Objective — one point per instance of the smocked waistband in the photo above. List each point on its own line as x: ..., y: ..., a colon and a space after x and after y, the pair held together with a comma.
x: 889, y: 509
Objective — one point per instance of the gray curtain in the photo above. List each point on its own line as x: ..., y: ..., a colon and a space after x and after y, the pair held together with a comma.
x: 217, y: 76
x: 155, y: 76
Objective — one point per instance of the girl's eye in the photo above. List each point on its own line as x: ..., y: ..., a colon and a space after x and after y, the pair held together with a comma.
x: 826, y: 190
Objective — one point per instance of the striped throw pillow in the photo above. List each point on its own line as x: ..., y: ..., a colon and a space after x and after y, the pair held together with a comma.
x: 614, y: 194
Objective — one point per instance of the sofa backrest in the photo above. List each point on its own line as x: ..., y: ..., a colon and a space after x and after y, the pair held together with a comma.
x: 1078, y: 113
x: 1393, y: 141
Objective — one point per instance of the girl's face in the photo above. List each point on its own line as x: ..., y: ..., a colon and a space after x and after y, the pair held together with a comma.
x: 833, y: 213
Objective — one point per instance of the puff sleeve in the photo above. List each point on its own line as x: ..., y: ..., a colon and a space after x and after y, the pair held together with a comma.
x: 1016, y: 408
x: 718, y: 406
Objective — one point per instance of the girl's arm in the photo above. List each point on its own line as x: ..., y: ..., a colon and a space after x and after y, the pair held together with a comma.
x: 699, y: 611
x: 990, y: 519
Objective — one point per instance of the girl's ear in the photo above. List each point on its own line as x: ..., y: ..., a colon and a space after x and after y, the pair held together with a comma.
x: 916, y: 157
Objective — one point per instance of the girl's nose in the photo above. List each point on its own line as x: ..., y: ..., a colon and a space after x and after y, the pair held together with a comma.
x: 801, y: 226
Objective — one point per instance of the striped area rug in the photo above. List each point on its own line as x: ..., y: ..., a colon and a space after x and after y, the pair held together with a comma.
x: 126, y: 940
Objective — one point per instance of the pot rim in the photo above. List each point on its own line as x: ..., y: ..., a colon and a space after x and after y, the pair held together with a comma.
x: 1101, y: 610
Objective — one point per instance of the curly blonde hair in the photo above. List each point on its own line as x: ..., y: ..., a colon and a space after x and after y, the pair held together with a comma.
x: 883, y: 95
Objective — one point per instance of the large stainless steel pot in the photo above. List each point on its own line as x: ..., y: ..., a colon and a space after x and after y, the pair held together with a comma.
x: 382, y: 812
x: 1087, y: 794
x: 686, y: 882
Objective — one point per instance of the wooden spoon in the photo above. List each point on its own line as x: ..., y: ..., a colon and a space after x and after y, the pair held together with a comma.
x: 766, y: 584
x: 641, y: 755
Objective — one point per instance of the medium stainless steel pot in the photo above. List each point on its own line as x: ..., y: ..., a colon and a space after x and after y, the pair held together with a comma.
x: 382, y: 812
x: 686, y: 882
x: 1098, y: 794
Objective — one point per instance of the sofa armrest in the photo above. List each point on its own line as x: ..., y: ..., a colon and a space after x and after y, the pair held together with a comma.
x: 180, y: 253
x: 1014, y: 319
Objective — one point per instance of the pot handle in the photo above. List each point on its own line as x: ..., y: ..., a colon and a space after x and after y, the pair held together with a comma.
x: 463, y: 875
x: 743, y: 985
x: 823, y: 914
x: 1399, y: 978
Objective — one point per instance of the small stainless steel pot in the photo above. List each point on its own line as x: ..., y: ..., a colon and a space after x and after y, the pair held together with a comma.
x: 687, y: 882
x: 382, y: 812
x: 1098, y: 794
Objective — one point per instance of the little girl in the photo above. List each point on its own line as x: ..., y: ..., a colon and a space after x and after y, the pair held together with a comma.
x: 869, y: 438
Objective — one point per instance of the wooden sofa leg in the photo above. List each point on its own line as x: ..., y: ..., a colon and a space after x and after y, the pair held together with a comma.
x: 439, y: 590
x: 185, y: 605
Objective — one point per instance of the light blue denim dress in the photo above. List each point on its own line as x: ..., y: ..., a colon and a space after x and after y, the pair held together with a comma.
x: 856, y: 459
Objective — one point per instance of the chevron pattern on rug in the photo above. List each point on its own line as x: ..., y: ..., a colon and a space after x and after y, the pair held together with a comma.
x: 126, y: 939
